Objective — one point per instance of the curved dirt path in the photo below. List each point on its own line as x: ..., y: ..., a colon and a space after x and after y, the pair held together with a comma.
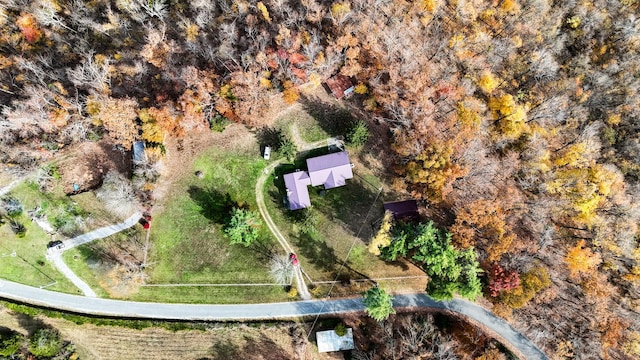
x: 303, y: 146
x: 511, y: 338
x: 301, y: 286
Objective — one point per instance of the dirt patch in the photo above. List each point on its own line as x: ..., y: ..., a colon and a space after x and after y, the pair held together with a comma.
x: 87, y: 163
x: 274, y: 341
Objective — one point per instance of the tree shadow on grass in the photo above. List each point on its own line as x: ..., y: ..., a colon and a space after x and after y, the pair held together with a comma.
x: 30, y: 323
x: 331, y: 118
x: 318, y: 252
x: 264, y: 348
x: 223, y: 350
x: 269, y: 136
x: 350, y: 204
x: 214, y: 205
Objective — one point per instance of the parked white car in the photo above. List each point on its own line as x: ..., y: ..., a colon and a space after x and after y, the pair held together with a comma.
x: 267, y: 152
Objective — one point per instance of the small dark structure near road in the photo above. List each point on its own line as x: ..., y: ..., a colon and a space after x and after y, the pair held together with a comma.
x: 340, y: 86
x: 403, y: 210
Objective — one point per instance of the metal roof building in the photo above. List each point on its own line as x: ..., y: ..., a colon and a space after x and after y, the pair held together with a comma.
x: 330, y: 341
x: 330, y: 170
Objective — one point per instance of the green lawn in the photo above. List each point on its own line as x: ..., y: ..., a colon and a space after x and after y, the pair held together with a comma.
x: 309, y: 129
x: 188, y: 243
x: 29, y: 266
x: 85, y: 265
x: 23, y: 259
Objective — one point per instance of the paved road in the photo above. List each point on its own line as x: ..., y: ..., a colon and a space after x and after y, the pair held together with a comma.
x: 55, y: 255
x: 129, y: 309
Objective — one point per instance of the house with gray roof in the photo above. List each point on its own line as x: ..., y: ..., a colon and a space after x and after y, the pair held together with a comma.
x: 331, y: 171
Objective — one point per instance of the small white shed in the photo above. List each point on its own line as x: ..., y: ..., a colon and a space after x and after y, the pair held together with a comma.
x: 330, y: 341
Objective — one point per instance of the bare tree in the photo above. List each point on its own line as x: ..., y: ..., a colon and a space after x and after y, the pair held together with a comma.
x: 90, y: 74
x: 117, y: 195
x: 281, y: 269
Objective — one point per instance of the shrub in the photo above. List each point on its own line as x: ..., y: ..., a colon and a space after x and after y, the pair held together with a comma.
x: 358, y: 134
x: 10, y: 342
x: 293, y: 292
x: 287, y: 148
x: 243, y: 227
x: 11, y: 206
x: 18, y: 229
x: 45, y: 343
x: 340, y: 329
x: 118, y: 195
x: 67, y: 218
x: 218, y: 123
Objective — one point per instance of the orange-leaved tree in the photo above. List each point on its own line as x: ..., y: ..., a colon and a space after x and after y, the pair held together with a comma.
x: 581, y: 260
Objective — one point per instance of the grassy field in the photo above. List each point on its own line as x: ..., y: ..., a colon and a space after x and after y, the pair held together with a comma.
x: 29, y: 265
x: 188, y: 243
x: 84, y: 264
x: 23, y: 259
x: 310, y: 129
x: 346, y: 218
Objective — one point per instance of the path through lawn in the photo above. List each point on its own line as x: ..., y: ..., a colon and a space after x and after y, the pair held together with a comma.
x: 188, y: 243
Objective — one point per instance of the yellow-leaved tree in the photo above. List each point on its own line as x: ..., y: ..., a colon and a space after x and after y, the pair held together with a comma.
x: 511, y: 117
x: 488, y: 82
x: 434, y: 170
x: 151, y: 131
x: 581, y: 261
x: 586, y: 189
x: 383, y: 237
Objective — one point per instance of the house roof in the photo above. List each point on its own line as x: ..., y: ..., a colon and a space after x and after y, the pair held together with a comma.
x: 330, y: 341
x: 339, y: 85
x: 297, y: 193
x: 330, y: 170
x: 403, y: 209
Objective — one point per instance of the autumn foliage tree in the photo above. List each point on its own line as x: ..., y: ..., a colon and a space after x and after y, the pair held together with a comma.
x: 118, y: 116
x: 502, y: 280
x: 531, y: 282
x: 581, y: 260
x: 483, y: 222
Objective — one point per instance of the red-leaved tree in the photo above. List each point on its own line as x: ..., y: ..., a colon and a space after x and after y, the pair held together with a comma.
x: 501, y: 279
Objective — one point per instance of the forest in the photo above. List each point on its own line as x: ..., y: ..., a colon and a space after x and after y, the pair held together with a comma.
x: 514, y: 122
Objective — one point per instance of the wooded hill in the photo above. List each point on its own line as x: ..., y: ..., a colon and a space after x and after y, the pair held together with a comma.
x: 516, y: 120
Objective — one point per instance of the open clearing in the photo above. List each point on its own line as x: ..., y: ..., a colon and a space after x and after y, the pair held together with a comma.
x: 346, y: 219
x: 188, y: 245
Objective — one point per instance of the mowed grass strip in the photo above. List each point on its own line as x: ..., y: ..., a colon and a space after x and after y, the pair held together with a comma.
x: 188, y: 241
